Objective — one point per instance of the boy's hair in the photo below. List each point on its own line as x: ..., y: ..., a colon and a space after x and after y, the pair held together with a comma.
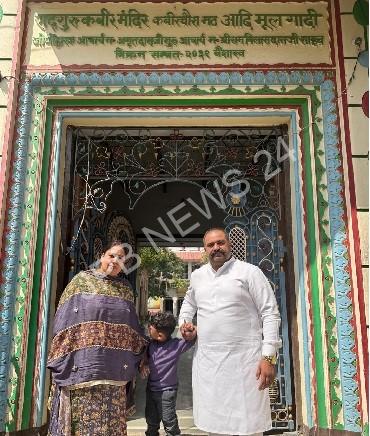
x: 163, y: 322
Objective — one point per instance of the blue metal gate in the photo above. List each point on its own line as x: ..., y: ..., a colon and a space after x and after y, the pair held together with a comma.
x: 255, y: 239
x: 93, y: 231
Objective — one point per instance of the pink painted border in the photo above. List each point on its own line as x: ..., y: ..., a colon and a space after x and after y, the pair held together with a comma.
x: 161, y: 1
x: 172, y: 68
x: 9, y: 128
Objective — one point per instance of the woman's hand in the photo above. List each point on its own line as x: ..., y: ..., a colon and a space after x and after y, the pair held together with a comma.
x: 144, y: 369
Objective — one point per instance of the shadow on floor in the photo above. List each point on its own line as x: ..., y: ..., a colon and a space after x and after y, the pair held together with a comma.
x: 136, y: 424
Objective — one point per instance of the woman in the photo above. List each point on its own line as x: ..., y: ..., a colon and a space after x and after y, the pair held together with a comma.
x: 95, y: 351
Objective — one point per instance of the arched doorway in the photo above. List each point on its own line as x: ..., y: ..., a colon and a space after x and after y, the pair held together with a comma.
x: 208, y: 176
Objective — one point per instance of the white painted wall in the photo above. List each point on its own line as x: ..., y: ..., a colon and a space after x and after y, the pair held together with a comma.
x: 359, y: 129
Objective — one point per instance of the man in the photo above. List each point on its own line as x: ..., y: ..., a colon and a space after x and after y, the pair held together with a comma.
x: 238, y: 338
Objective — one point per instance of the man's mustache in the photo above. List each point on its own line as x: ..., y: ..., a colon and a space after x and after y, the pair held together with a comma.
x: 216, y: 252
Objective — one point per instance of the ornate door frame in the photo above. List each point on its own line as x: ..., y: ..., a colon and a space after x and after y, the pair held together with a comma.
x: 327, y: 287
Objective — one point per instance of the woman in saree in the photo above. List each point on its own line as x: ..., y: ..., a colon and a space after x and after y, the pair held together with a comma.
x: 95, y: 351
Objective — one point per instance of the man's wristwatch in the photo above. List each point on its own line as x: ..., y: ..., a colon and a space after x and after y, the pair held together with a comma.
x: 270, y: 359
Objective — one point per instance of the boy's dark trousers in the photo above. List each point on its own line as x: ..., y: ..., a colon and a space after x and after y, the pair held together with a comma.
x: 161, y: 406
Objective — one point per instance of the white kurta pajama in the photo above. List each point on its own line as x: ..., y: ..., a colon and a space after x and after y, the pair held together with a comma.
x: 237, y: 322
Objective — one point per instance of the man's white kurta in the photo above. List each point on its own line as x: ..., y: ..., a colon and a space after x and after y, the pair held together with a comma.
x: 238, y: 322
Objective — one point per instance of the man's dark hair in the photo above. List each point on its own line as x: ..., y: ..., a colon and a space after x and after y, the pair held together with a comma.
x: 213, y: 229
x: 163, y: 322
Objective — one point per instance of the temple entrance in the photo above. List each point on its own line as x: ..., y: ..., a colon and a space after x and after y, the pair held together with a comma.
x: 166, y: 187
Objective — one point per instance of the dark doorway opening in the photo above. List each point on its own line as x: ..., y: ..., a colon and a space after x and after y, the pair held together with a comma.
x: 138, y: 184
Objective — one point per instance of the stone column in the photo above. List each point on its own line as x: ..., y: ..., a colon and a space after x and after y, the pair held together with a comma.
x: 189, y: 269
x: 174, y: 306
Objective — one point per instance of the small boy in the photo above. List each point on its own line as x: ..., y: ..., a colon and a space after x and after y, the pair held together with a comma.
x: 163, y: 356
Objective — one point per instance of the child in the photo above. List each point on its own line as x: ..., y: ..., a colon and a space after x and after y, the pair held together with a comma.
x: 163, y: 356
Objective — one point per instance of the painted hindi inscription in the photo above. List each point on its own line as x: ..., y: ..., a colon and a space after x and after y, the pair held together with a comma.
x: 180, y: 34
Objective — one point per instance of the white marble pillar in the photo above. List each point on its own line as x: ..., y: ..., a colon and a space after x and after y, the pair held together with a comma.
x: 174, y: 306
x: 189, y: 269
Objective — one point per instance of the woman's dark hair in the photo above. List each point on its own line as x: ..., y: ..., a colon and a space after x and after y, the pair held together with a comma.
x: 163, y: 322
x: 110, y: 244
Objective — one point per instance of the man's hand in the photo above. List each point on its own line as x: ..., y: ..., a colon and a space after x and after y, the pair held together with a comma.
x: 266, y: 374
x: 188, y: 331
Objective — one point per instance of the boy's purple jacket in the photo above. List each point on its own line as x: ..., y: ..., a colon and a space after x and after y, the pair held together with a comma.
x: 163, y: 360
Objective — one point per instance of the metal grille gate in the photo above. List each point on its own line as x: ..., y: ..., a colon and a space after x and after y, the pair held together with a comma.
x: 141, y: 158
x: 258, y: 243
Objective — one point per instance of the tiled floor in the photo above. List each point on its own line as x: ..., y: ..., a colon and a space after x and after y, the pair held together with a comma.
x: 137, y: 425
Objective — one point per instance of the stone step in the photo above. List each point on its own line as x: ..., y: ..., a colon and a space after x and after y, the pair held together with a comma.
x: 137, y: 426
x: 187, y: 432
x: 184, y: 432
